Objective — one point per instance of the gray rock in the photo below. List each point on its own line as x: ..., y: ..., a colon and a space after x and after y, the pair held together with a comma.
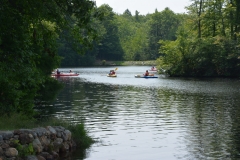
x: 44, y: 141
x: 26, y: 138
x: 4, y: 145
x: 31, y: 157
x: 59, y: 128
x: 40, y: 131
x: 1, y: 138
x: 40, y: 157
x: 25, y: 131
x: 11, y: 152
x: 66, y: 135
x: 58, y: 142
x: 59, y: 134
x: 37, y: 146
x: 52, y: 130
x: 6, y: 135
x: 65, y: 147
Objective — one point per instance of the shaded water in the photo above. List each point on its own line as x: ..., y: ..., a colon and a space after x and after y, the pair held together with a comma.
x: 148, y: 119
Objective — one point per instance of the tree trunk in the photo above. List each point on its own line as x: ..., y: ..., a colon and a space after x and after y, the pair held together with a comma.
x: 199, y: 18
x: 237, y: 22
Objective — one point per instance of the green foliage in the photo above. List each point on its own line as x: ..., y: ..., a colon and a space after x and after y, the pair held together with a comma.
x: 203, y: 57
x: 28, y: 47
x: 48, y: 91
x: 109, y: 47
x: 207, y: 42
x: 24, y: 150
x: 163, y: 26
x: 16, y: 121
x: 80, y: 135
x: 103, y: 62
x: 124, y: 36
x: 133, y: 36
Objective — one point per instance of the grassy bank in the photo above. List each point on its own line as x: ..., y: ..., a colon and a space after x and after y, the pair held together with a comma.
x: 17, y: 121
x: 125, y: 63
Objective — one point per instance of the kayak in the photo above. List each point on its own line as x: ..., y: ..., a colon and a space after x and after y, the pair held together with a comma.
x: 65, y: 74
x: 111, y: 75
x: 153, y: 70
x: 142, y: 76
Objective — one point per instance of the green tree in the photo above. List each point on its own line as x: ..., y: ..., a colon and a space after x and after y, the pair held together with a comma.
x: 132, y: 33
x: 109, y: 47
x: 28, y: 47
x: 163, y: 26
x: 206, y: 44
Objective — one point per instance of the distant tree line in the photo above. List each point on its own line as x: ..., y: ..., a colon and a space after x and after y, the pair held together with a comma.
x: 125, y: 37
x: 203, y: 42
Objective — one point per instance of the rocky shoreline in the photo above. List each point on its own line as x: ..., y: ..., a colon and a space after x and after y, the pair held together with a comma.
x: 42, y: 143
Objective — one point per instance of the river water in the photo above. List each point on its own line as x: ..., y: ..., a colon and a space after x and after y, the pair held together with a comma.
x: 148, y: 119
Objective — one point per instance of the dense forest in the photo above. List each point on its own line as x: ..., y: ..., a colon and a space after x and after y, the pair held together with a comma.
x: 125, y: 37
x: 31, y: 32
x: 207, y: 41
x: 39, y: 36
x: 201, y: 42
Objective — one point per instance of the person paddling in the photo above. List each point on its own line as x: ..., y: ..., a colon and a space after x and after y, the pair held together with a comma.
x: 112, y: 72
x: 146, y: 73
x: 58, y: 72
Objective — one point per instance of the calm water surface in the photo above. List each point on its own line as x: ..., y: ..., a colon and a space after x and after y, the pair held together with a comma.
x: 149, y: 119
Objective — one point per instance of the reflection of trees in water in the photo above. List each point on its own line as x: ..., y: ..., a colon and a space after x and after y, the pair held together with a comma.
x: 209, y: 124
x: 79, y: 153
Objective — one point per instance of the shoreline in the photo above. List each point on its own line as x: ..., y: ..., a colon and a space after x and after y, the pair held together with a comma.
x: 125, y: 63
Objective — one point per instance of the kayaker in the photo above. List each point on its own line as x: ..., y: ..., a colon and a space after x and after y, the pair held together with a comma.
x: 146, y: 73
x: 112, y: 72
x: 58, y: 72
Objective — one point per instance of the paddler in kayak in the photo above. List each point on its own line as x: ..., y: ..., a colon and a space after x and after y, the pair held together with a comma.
x: 146, y: 73
x: 58, y: 72
x: 112, y: 72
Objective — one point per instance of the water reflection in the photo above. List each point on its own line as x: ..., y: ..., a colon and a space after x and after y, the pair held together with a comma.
x: 165, y: 118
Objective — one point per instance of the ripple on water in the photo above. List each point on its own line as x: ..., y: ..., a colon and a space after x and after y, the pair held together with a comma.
x: 165, y: 118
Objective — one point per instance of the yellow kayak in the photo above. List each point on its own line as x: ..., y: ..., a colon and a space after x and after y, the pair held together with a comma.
x: 111, y: 75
